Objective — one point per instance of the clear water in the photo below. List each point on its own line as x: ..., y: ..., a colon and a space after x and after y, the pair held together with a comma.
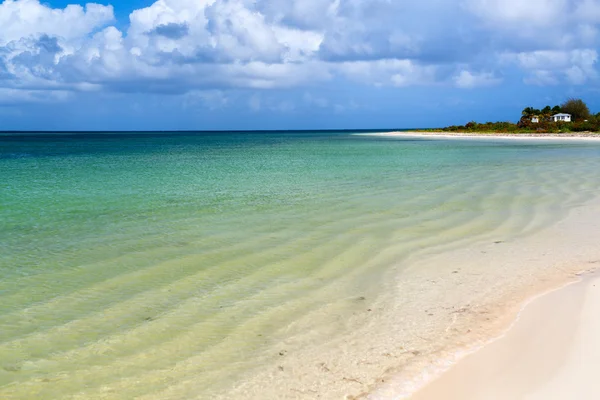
x: 169, y: 265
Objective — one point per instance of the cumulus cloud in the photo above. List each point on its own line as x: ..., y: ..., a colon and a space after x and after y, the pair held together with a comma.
x: 538, y: 24
x: 181, y: 46
x: 25, y: 18
x: 553, y: 66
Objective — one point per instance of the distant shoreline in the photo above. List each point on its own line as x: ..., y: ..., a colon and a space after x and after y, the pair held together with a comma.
x: 587, y: 136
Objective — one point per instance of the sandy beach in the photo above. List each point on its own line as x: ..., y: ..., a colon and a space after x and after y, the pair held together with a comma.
x: 579, y: 136
x: 551, y: 352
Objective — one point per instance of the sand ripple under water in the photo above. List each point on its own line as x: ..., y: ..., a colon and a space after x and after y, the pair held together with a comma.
x: 268, y: 265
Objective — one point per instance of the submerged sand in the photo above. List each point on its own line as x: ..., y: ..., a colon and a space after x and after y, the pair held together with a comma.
x: 467, y: 296
x: 464, y: 254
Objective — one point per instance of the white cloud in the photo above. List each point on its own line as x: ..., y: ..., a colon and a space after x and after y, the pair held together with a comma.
x: 301, y: 45
x: 467, y: 79
x: 179, y: 46
x: 538, y: 24
x: 550, y: 67
x: 217, y: 31
x: 24, y: 18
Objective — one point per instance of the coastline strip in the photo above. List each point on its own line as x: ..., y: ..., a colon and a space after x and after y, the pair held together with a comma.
x: 592, y: 137
x: 550, y: 352
x: 525, y: 271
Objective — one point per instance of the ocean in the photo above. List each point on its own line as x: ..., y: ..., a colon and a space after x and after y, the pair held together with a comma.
x: 179, y: 265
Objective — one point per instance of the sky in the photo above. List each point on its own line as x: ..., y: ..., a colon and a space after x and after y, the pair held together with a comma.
x: 291, y: 64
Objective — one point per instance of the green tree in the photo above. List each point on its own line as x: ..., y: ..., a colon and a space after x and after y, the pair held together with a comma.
x: 527, y: 112
x: 556, y: 109
x: 577, y: 108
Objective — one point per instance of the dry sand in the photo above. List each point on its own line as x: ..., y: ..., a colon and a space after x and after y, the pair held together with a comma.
x: 551, y: 352
x: 579, y: 136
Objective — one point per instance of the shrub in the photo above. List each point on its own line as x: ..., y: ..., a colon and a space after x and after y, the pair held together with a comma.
x: 583, y: 126
x: 577, y: 108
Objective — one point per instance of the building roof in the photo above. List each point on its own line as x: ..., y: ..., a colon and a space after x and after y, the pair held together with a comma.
x: 561, y: 115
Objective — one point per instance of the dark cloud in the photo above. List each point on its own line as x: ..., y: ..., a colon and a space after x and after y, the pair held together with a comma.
x: 171, y: 31
x: 48, y: 44
x: 4, y: 73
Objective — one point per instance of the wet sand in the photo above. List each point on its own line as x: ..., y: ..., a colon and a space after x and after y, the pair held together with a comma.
x: 551, y: 352
x: 462, y: 298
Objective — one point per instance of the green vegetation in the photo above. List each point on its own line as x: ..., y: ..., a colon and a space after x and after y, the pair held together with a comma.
x: 582, y: 121
x: 577, y: 108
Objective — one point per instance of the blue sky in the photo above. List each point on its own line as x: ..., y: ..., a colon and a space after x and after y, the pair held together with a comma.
x: 291, y: 64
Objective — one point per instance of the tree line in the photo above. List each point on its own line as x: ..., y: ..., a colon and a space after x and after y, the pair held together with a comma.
x: 582, y: 120
x: 576, y: 107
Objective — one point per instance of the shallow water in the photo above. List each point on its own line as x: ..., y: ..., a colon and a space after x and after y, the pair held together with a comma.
x: 134, y: 264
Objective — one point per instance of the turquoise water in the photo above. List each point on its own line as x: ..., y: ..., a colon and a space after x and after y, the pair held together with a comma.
x: 170, y: 265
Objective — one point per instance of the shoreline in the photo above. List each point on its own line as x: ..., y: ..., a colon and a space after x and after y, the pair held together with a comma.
x: 565, y: 272
x: 340, y: 266
x: 476, y: 292
x: 590, y: 137
x: 540, y: 354
x: 569, y: 239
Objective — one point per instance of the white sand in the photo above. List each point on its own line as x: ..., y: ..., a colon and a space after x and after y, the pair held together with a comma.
x: 552, y: 352
x: 459, y: 299
x: 490, y: 136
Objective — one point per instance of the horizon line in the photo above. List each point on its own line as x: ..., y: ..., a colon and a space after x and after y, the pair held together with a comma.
x: 212, y: 130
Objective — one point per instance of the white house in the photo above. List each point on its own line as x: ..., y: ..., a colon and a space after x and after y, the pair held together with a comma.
x: 561, y: 118
x: 535, y: 119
